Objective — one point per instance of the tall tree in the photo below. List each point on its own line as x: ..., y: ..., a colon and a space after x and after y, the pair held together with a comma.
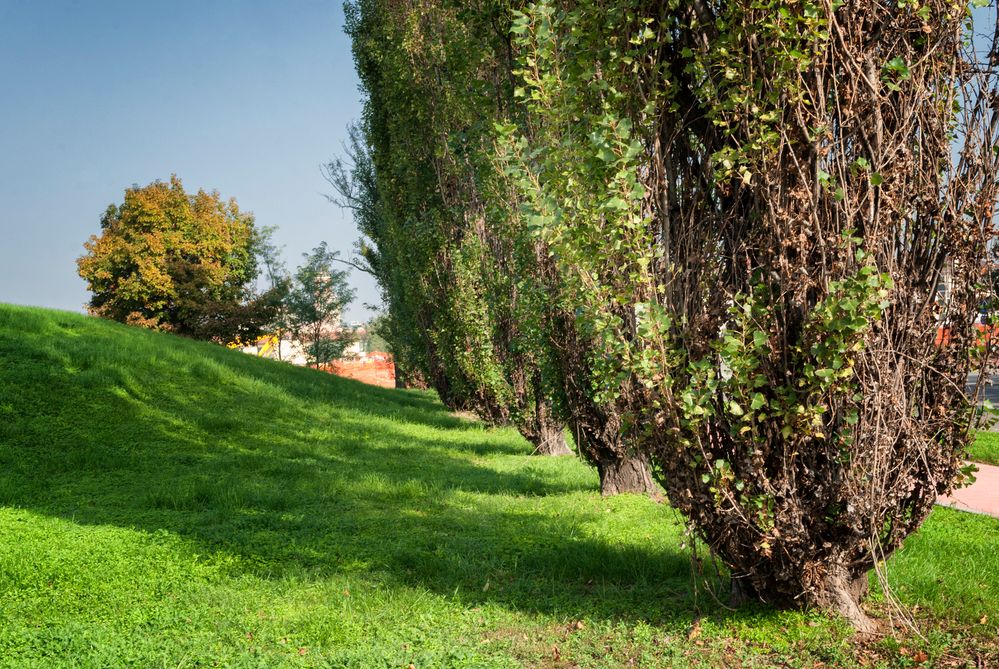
x: 764, y: 211
x: 446, y: 277
x: 186, y: 263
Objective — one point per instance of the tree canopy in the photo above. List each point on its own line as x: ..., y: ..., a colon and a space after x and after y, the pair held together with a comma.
x: 169, y: 260
x: 715, y: 237
x: 314, y: 307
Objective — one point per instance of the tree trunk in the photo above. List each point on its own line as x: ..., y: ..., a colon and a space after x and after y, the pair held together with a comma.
x: 546, y: 432
x: 837, y: 592
x: 550, y: 440
x: 841, y: 593
x: 626, y: 473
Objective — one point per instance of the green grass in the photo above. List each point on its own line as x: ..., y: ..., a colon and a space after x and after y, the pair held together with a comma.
x: 986, y: 448
x: 168, y: 503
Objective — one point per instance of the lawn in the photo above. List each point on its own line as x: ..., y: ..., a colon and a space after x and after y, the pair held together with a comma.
x: 168, y: 503
x: 986, y: 448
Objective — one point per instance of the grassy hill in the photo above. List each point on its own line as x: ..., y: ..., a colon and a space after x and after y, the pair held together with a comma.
x: 169, y: 503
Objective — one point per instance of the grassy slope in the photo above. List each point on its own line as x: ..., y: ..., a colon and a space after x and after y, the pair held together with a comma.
x: 170, y: 503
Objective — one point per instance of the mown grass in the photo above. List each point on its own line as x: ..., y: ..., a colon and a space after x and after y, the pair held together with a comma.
x: 167, y: 503
x: 986, y: 448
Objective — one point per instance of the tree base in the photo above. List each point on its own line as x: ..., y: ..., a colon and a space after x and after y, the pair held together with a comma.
x: 839, y: 594
x: 842, y: 594
x: 629, y: 474
x: 552, y: 442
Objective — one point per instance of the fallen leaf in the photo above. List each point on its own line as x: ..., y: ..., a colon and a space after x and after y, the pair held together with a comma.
x: 920, y: 657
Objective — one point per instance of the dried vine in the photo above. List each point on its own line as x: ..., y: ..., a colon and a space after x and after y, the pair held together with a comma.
x: 759, y: 204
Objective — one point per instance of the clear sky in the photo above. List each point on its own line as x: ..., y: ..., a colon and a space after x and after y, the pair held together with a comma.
x: 245, y: 97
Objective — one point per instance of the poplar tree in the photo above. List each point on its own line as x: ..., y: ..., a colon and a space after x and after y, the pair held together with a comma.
x: 766, y: 210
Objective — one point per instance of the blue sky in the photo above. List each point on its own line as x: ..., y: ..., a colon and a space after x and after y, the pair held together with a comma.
x: 247, y: 98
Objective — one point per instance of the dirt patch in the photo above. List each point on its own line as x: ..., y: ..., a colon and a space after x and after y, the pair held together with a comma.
x: 374, y: 370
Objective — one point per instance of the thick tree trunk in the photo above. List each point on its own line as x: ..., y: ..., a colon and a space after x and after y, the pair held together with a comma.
x: 838, y: 592
x: 626, y: 473
x: 550, y: 440
x: 842, y: 593
x: 406, y: 378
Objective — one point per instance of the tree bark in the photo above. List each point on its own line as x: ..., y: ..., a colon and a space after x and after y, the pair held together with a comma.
x: 551, y: 441
x: 842, y: 593
x: 838, y: 592
x: 627, y: 472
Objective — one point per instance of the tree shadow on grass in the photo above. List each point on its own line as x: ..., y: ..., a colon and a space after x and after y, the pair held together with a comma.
x: 303, y: 474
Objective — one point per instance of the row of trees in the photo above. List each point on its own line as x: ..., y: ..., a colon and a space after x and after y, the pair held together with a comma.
x: 190, y: 264
x: 709, y: 237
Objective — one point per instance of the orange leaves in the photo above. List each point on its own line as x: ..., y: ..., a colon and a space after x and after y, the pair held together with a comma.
x: 164, y: 256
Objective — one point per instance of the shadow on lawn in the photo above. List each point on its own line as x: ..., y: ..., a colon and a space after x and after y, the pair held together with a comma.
x: 305, y: 474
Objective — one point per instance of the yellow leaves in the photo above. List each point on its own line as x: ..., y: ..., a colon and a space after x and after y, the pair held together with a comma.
x: 163, y: 251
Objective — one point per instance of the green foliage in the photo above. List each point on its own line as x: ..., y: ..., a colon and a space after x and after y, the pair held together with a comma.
x: 707, y: 179
x: 314, y: 306
x: 165, y: 502
x: 184, y: 263
x: 440, y: 231
x: 578, y: 173
x: 724, y: 225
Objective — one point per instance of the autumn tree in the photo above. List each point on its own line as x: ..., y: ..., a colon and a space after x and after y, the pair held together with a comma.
x: 168, y: 260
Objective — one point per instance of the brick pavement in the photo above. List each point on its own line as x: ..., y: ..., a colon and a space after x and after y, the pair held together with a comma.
x: 980, y: 497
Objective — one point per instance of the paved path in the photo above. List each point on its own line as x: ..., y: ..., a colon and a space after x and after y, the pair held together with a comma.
x: 989, y: 389
x: 980, y: 497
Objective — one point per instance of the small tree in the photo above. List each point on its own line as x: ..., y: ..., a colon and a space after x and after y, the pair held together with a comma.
x: 376, y: 332
x: 315, y: 305
x: 279, y: 287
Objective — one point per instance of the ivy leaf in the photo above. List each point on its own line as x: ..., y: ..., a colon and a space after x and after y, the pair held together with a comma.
x: 735, y: 409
